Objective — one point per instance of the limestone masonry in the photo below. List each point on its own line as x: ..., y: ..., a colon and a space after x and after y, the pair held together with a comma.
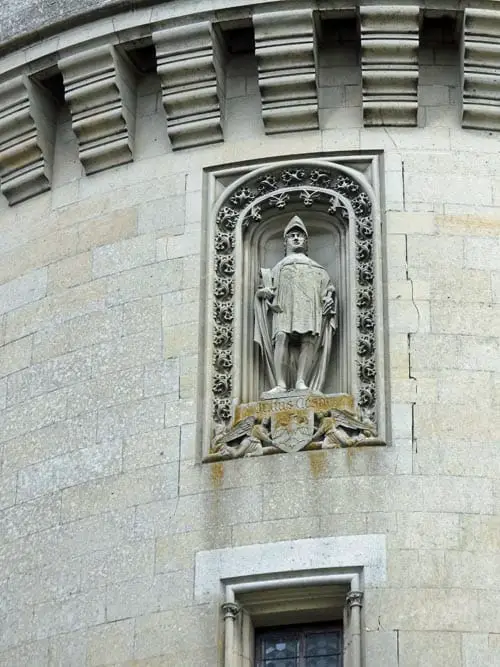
x: 152, y: 157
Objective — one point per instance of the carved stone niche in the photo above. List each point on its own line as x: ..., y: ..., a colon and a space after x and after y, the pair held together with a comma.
x: 338, y: 208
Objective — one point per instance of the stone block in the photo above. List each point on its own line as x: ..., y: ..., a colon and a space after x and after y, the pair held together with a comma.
x: 434, y: 649
x: 179, y: 339
x: 69, y: 469
x: 33, y: 654
x: 123, y: 255
x: 463, y: 285
x: 105, y: 229
x: 127, y: 561
x: 476, y: 650
x: 469, y: 319
x: 37, y: 253
x: 151, y: 449
x: 489, y: 614
x: 382, y: 647
x: 131, y: 418
x: 166, y: 216
x: 31, y: 517
x: 162, y: 378
x: 33, y: 414
x: 145, y: 281
x: 78, y: 332
x: 495, y: 285
x: 141, y: 314
x: 425, y: 253
x: 458, y: 494
x: 456, y: 188
x: 7, y: 489
x: 55, y: 581
x: 480, y: 353
x: 430, y: 351
x: 48, y: 376
x: 137, y: 487
x: 50, y: 441
x: 472, y: 570
x: 452, y: 611
x: 186, y: 304
x: 105, y: 391
x: 468, y: 225
x: 483, y: 253
x: 274, y: 531
x: 481, y: 533
x: 178, y: 413
x: 409, y: 316
x: 129, y: 599
x: 188, y: 384
x: 16, y: 355
x: 177, y: 552
x: 69, y: 272
x: 24, y: 290
x: 71, y: 303
x: 403, y: 222
x: 165, y: 632
x: 424, y: 530
x: 433, y: 95
x: 121, y: 353
x: 110, y: 643
x: 75, y: 613
x: 230, y: 506
x: 464, y: 387
x: 460, y: 458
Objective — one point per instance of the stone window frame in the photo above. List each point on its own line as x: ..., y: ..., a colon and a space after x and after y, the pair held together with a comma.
x: 334, y: 595
x: 228, y: 208
x: 322, y: 578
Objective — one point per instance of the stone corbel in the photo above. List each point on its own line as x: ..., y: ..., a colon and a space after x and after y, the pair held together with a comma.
x: 27, y: 134
x: 190, y: 65
x: 389, y: 62
x: 100, y: 91
x: 285, y: 47
x: 481, y: 69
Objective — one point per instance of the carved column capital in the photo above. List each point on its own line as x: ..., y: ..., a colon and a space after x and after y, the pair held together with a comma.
x: 354, y: 599
x: 230, y: 610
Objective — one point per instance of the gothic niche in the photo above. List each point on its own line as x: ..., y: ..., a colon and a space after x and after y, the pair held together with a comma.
x: 294, y: 313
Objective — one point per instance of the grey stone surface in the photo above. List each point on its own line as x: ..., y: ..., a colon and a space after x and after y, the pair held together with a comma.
x: 105, y: 507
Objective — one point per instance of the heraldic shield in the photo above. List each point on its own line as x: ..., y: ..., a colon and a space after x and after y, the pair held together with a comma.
x: 292, y: 430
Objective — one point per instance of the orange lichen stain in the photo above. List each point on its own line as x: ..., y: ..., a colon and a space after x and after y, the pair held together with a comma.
x: 217, y: 474
x: 317, y: 463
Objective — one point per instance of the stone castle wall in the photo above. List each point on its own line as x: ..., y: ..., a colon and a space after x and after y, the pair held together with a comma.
x: 105, y: 504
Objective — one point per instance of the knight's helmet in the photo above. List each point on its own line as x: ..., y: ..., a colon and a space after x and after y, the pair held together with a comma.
x: 295, y: 223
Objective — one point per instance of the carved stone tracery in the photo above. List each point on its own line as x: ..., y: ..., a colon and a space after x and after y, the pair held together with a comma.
x: 281, y: 188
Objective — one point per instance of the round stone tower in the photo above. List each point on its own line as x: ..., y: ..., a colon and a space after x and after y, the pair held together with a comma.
x: 249, y: 334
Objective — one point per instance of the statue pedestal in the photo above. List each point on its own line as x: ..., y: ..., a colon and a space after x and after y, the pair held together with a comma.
x: 293, y: 400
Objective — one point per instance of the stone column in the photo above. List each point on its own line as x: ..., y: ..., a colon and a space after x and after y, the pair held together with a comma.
x: 354, y: 600
x: 230, y: 611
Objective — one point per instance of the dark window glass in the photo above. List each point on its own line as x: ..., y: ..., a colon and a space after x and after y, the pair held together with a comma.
x: 304, y: 646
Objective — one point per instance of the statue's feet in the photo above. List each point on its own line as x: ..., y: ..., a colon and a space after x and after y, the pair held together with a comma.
x: 279, y: 389
x: 301, y: 385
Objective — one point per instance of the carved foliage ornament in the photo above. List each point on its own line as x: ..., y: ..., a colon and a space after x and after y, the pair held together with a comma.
x: 282, y: 188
